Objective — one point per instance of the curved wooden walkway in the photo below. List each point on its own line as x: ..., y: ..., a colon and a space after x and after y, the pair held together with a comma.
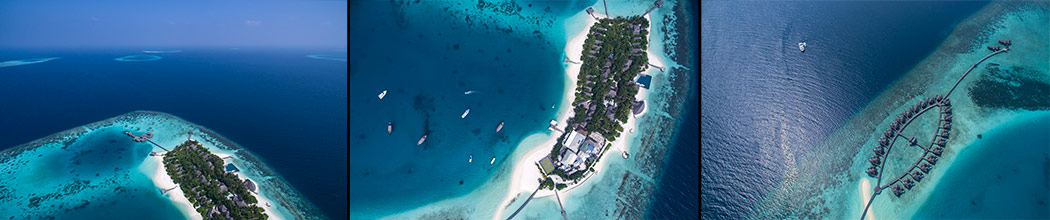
x: 878, y: 188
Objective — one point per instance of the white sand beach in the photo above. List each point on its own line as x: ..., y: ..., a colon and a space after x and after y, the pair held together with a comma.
x: 154, y: 167
x: 525, y: 173
x: 163, y: 181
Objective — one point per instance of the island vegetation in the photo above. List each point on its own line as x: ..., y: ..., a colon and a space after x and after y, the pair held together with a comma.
x: 614, y: 54
x: 214, y: 193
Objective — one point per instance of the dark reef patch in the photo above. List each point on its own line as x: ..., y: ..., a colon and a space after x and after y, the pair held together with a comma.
x: 1011, y: 88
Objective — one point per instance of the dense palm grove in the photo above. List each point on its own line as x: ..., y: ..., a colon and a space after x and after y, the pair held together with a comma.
x: 215, y: 193
x: 614, y: 53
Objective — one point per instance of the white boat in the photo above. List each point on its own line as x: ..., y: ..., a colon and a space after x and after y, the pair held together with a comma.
x: 424, y: 138
x: 802, y: 46
x: 465, y: 114
x: 469, y: 92
x: 389, y: 127
x: 500, y: 127
x: 471, y: 160
x: 493, y: 160
x: 552, y: 106
x: 382, y: 94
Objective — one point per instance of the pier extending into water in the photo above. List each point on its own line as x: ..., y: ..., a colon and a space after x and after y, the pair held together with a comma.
x: 165, y: 191
x: 143, y: 138
x: 526, y: 202
x: 895, y: 131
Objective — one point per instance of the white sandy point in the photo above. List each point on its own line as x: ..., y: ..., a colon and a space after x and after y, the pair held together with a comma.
x: 162, y: 180
x: 525, y: 171
x: 865, y: 195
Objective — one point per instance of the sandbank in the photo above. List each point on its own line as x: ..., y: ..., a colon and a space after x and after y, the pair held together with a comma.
x: 525, y: 169
x: 162, y: 180
x: 865, y: 195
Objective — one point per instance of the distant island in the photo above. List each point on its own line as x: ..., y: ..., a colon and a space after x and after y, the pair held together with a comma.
x: 215, y: 193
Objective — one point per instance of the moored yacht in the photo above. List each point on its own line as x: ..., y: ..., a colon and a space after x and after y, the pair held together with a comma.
x: 424, y: 138
x: 500, y: 127
x: 471, y: 160
x: 389, y: 127
x: 493, y: 160
x: 802, y: 46
x: 382, y: 94
x: 465, y: 114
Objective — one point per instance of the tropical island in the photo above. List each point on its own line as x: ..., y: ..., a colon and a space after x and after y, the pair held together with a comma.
x: 605, y: 94
x: 215, y: 193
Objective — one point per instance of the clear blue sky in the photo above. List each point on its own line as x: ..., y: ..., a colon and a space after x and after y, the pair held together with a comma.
x: 173, y: 24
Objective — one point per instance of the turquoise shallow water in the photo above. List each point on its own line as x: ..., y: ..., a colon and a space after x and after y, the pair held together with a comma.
x: 90, y: 177
x: 96, y: 172
x: 511, y: 54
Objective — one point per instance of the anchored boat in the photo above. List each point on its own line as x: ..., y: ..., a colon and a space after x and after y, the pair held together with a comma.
x: 382, y: 94
x: 493, y: 160
x: 471, y: 160
x: 465, y: 114
x: 802, y: 46
x: 389, y: 127
x: 424, y: 138
x: 500, y: 127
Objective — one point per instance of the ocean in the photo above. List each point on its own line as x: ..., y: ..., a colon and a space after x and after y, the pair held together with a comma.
x: 766, y: 106
x: 283, y: 106
x: 426, y: 55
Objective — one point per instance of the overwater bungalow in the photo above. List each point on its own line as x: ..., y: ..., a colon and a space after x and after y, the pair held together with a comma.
x: 916, y: 175
x: 947, y: 102
x: 878, y: 150
x: 932, y: 159
x: 912, y: 141
x: 908, y: 183
x: 874, y: 160
x: 872, y: 171
x: 925, y: 167
x: 937, y: 151
x: 947, y: 118
x: 940, y: 142
x: 943, y: 133
x: 897, y: 190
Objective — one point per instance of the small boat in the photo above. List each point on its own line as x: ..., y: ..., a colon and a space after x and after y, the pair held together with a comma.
x: 424, y: 138
x: 493, y: 160
x: 500, y: 127
x: 382, y: 94
x: 389, y: 127
x: 802, y: 46
x: 552, y: 106
x: 471, y: 160
x: 465, y: 114
x: 469, y: 92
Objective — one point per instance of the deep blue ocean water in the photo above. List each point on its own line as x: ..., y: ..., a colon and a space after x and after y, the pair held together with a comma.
x: 279, y: 104
x: 762, y: 95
